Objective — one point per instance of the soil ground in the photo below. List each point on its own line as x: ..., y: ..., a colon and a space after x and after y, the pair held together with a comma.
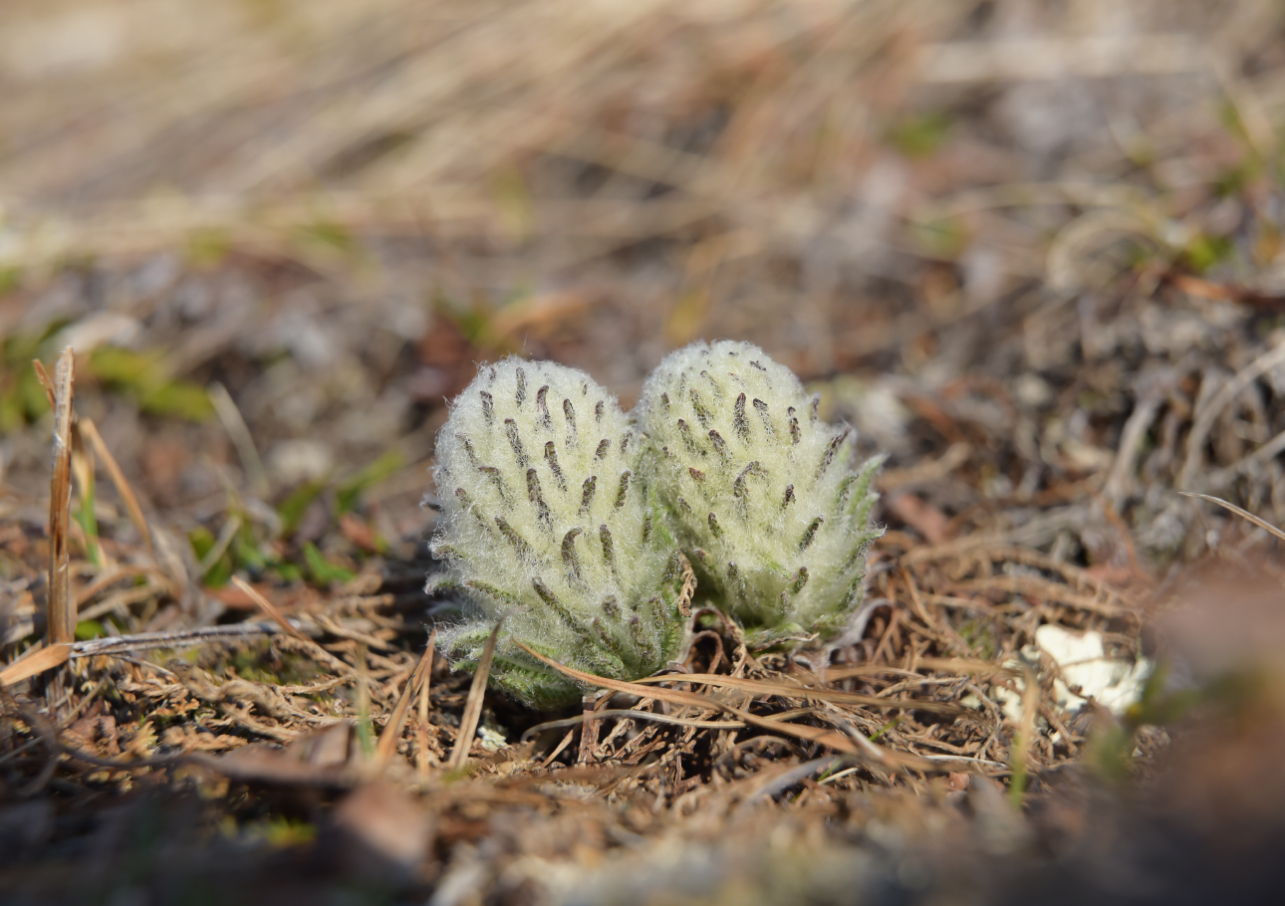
x: 1035, y: 253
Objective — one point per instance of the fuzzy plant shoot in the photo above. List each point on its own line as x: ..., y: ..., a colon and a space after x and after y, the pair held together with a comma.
x: 767, y: 499
x: 549, y: 520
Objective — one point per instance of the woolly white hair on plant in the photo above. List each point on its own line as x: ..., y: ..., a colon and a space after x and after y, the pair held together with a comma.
x: 549, y: 521
x: 768, y: 500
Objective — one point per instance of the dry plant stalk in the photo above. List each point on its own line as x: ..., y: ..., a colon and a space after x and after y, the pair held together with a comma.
x: 62, y: 606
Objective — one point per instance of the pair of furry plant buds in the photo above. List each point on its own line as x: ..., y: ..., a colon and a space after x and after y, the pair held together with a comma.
x: 575, y: 521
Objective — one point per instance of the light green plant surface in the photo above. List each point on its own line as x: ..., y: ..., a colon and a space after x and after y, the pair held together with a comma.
x: 566, y: 520
x: 768, y: 500
x: 548, y: 521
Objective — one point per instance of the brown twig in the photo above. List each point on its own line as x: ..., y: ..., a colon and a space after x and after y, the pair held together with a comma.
x: 37, y: 661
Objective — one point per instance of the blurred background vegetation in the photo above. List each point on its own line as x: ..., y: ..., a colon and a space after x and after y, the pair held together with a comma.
x: 327, y: 212
x: 330, y: 211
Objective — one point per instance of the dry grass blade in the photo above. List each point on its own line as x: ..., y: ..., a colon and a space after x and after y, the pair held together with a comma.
x: 421, y: 731
x: 35, y: 663
x: 108, y: 578
x: 972, y: 666
x: 221, y: 544
x: 90, y: 431
x: 119, y: 602
x: 46, y: 382
x: 387, y: 744
x: 558, y: 749
x: 673, y: 696
x: 473, y: 707
x: 1245, y: 514
x: 269, y: 609
x: 859, y: 739
x: 62, y: 607
x: 791, y: 690
x: 239, y: 432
